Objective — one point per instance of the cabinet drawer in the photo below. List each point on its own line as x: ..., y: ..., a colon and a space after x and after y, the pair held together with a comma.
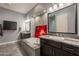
x: 52, y: 43
x: 23, y: 36
x: 70, y: 48
x: 27, y: 35
x: 59, y: 52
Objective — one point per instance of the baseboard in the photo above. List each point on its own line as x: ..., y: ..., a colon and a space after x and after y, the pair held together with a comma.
x: 8, y: 42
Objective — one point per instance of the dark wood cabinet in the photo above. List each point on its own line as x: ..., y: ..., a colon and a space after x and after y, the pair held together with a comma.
x: 71, y: 49
x: 25, y: 35
x: 57, y: 52
x: 46, y: 50
x: 65, y: 53
x: 52, y: 48
x: 60, y: 52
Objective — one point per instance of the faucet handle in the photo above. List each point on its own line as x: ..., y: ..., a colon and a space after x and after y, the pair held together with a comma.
x: 61, y: 34
x: 57, y: 34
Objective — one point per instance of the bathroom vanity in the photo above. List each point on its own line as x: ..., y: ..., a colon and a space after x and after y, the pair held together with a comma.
x: 61, y: 21
x: 24, y: 35
x: 59, y: 46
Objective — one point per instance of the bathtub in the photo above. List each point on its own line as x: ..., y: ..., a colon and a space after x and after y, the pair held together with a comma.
x: 31, y: 46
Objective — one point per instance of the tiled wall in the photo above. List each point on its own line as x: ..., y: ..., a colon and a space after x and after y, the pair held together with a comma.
x: 34, y: 23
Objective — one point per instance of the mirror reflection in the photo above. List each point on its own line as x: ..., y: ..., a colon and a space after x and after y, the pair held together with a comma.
x: 63, y: 20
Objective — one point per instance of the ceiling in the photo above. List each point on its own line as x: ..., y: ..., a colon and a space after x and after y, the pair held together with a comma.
x: 39, y: 9
x: 25, y: 8
x: 28, y: 8
x: 18, y: 7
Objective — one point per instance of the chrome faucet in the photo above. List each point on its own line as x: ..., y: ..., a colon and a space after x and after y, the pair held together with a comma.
x: 59, y: 34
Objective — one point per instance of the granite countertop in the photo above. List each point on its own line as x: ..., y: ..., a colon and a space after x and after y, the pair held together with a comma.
x: 67, y: 40
x: 32, y: 43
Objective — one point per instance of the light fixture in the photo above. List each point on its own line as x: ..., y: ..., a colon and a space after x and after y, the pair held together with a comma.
x: 50, y: 9
x: 61, y: 5
x: 37, y: 18
x: 28, y: 20
x: 44, y: 11
x: 55, y: 6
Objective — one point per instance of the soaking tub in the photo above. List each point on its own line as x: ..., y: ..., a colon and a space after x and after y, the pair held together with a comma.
x: 31, y: 46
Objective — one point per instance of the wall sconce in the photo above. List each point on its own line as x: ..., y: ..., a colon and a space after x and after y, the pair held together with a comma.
x: 61, y: 5
x: 50, y: 9
x: 55, y: 6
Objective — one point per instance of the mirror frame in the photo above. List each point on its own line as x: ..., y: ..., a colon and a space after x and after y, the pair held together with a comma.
x: 75, y: 20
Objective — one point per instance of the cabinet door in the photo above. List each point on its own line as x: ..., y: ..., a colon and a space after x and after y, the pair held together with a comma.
x: 60, y: 52
x: 67, y: 53
x: 46, y: 50
x: 24, y: 35
x: 57, y: 52
x: 71, y: 49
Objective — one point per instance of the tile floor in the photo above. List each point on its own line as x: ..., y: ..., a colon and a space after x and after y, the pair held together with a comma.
x: 12, y: 49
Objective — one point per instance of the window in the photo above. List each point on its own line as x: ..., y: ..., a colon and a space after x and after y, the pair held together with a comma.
x: 27, y: 26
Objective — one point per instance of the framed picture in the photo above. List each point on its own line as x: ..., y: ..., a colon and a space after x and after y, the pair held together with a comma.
x: 27, y: 26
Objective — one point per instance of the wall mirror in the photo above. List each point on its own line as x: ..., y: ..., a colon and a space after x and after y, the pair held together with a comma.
x: 63, y: 20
